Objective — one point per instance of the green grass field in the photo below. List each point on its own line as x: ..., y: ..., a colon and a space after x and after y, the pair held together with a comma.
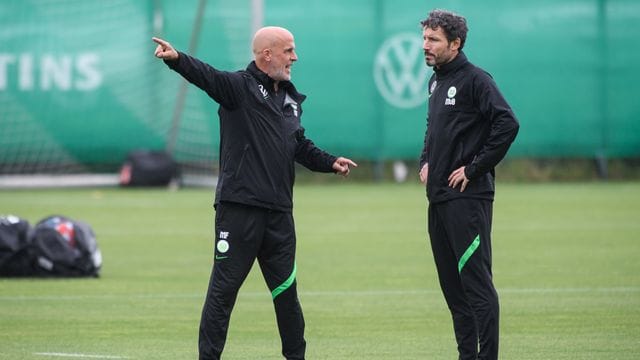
x: 566, y: 265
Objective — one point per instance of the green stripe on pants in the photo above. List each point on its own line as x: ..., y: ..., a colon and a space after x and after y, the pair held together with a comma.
x: 285, y: 285
x: 467, y: 254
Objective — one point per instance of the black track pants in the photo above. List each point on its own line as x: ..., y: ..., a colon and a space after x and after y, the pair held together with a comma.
x: 243, y: 234
x: 460, y: 232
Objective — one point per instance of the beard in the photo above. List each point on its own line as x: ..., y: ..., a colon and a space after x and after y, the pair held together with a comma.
x: 280, y: 74
x: 439, y: 60
x: 428, y: 62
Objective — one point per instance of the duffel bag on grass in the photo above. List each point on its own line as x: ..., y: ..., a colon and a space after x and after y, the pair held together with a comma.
x: 15, y: 240
x: 65, y: 247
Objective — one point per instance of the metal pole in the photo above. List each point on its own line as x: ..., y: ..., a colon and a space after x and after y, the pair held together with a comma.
x: 603, y: 98
x: 257, y: 15
x: 182, y: 94
x: 378, y: 162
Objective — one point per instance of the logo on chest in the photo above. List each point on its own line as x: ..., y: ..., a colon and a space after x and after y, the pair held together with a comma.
x: 263, y: 91
x: 451, y: 93
x: 433, y: 87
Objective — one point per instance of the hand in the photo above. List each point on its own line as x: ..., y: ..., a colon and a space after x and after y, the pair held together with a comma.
x: 341, y: 166
x: 424, y: 172
x: 164, y: 50
x: 458, y: 177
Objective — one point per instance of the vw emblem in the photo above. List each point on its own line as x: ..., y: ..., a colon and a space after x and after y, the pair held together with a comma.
x: 400, y: 73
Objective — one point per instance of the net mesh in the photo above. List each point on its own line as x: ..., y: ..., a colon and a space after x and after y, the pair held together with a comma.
x: 80, y: 88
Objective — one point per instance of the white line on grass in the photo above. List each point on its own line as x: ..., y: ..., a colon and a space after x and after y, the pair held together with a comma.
x: 84, y: 356
x: 617, y: 290
x: 437, y: 291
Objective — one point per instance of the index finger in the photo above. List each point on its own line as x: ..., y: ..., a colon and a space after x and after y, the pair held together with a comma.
x: 160, y: 41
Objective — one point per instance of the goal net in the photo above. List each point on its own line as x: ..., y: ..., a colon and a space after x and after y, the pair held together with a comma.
x: 80, y: 87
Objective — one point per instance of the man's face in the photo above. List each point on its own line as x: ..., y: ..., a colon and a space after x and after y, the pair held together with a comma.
x: 283, y: 55
x: 437, y: 49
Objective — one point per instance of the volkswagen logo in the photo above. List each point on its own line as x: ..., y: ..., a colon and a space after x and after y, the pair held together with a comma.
x: 400, y: 73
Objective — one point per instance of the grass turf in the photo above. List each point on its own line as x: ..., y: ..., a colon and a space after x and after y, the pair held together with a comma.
x: 565, y: 265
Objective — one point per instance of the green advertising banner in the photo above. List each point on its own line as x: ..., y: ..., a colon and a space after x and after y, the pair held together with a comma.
x: 76, y: 85
x: 80, y: 88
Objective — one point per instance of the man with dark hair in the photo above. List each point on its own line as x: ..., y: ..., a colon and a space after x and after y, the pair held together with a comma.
x: 261, y: 137
x: 470, y: 127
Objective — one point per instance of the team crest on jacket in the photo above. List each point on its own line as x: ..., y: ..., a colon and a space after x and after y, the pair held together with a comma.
x: 451, y: 100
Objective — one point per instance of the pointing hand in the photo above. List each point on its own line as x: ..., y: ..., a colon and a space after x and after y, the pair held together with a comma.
x: 164, y: 50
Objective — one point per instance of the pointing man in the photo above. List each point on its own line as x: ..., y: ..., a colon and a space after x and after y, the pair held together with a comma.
x: 261, y: 139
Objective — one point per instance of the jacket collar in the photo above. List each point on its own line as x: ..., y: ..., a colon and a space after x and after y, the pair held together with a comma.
x: 453, y: 65
x: 263, y: 78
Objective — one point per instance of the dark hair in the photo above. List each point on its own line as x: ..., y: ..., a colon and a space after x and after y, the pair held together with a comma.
x: 453, y: 25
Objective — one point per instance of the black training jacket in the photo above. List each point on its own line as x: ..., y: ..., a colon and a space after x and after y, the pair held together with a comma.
x: 470, y: 124
x: 259, y: 139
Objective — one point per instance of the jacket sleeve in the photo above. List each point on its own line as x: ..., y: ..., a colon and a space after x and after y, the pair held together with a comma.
x: 223, y: 87
x: 311, y: 156
x: 503, y: 129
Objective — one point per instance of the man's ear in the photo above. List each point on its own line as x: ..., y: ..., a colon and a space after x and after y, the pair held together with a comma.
x: 455, y: 44
x: 266, y: 53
